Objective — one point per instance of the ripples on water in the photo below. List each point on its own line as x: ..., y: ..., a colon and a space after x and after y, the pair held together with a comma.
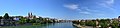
x: 51, y: 25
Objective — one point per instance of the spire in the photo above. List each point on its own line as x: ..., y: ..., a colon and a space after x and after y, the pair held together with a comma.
x: 30, y: 16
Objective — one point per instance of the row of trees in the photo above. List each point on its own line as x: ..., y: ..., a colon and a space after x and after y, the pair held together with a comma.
x: 103, y: 23
x: 35, y: 20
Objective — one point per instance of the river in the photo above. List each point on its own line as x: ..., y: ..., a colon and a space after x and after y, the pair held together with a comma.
x: 52, y: 25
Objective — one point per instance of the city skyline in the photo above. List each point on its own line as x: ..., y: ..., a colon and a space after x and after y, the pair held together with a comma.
x: 62, y: 9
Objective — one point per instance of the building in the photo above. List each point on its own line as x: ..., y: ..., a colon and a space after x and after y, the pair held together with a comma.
x: 16, y: 19
x: 118, y: 17
x: 30, y: 16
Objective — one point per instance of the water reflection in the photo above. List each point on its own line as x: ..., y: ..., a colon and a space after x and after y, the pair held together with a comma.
x: 50, y: 25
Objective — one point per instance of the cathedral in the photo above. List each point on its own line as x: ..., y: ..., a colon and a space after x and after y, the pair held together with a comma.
x: 30, y: 16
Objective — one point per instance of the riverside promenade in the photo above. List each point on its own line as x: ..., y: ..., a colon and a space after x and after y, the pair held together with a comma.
x: 79, y: 26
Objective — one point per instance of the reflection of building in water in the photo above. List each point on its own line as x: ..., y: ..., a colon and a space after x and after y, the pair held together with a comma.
x: 30, y: 16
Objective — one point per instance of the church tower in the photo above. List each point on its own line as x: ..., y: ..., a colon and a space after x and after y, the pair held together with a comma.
x: 30, y: 16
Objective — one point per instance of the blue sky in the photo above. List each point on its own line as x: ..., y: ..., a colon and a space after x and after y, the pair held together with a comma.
x: 62, y: 9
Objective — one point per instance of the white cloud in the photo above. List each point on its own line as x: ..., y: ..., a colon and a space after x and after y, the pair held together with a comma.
x: 90, y: 10
x: 110, y: 1
x: 107, y: 4
x: 101, y: 14
x: 85, y: 12
x: 76, y: 7
x: 71, y: 6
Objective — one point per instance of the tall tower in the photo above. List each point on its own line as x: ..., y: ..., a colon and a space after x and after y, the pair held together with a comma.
x: 30, y: 16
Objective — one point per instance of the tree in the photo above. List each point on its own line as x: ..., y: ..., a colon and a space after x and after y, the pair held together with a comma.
x: 22, y: 21
x: 90, y: 23
x: 104, y: 23
x: 0, y: 17
x: 6, y: 16
x: 115, y: 24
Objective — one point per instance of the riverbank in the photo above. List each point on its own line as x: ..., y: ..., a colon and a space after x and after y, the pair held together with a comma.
x: 99, y: 23
x: 79, y: 26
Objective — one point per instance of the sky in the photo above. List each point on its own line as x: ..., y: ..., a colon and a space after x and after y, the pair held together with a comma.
x: 62, y: 9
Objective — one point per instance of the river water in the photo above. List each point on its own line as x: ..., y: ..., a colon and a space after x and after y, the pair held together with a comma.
x: 52, y: 25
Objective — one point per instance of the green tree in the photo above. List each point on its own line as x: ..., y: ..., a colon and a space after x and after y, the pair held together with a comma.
x: 104, y: 23
x: 82, y: 23
x: 1, y: 17
x: 90, y: 23
x: 6, y: 16
x: 22, y: 20
x: 115, y: 24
